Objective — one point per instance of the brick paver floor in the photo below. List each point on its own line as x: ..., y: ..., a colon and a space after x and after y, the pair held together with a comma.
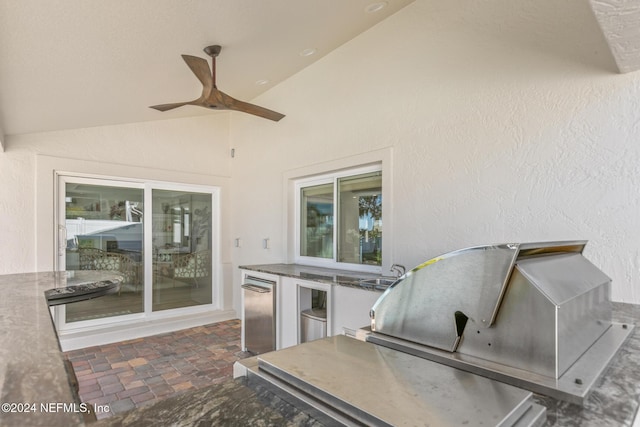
x: 134, y: 373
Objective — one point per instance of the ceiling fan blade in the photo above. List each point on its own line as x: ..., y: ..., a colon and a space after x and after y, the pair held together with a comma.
x: 200, y: 68
x: 167, y: 107
x: 245, y: 107
x: 256, y: 110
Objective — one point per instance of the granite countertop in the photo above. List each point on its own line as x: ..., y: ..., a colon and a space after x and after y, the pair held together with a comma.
x: 32, y: 369
x: 613, y: 402
x: 37, y: 387
x: 330, y: 276
x: 228, y: 404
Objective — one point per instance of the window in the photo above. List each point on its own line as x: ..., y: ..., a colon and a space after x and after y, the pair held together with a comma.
x: 339, y: 219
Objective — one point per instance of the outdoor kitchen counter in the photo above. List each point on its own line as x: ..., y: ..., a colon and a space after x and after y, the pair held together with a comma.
x: 35, y: 382
x: 616, y: 397
x: 614, y: 400
x: 329, y: 276
x: 227, y: 404
x: 33, y: 371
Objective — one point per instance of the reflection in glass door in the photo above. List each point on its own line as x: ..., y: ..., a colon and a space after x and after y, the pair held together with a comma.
x: 105, y: 232
x: 182, y: 243
x: 161, y: 238
x: 316, y: 221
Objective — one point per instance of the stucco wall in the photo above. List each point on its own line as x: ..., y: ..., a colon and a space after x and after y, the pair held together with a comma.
x: 17, y: 210
x: 506, y: 119
x: 506, y: 122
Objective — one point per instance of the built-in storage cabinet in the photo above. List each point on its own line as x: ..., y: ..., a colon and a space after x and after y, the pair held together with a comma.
x: 347, y: 308
x: 298, y: 296
x: 312, y: 295
x: 352, y: 307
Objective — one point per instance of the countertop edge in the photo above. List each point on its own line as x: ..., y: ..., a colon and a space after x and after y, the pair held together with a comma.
x: 36, y: 381
x: 331, y: 276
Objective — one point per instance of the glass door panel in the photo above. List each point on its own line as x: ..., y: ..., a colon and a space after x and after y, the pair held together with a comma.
x: 182, y: 245
x: 360, y: 219
x: 105, y: 232
x: 316, y: 221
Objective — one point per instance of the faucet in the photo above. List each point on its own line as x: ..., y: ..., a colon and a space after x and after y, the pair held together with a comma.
x: 398, y: 269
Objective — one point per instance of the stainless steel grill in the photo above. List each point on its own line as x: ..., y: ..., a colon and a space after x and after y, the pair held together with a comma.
x: 535, y: 315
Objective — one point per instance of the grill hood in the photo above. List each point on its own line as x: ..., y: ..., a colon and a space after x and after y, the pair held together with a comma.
x: 536, y: 315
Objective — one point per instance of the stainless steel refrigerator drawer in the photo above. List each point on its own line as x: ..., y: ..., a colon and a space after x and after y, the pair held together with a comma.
x: 259, y: 315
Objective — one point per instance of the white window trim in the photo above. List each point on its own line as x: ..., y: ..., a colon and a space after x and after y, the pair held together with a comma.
x: 330, y: 178
x: 376, y: 159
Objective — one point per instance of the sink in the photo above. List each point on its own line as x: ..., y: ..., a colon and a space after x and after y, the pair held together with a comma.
x: 380, y: 283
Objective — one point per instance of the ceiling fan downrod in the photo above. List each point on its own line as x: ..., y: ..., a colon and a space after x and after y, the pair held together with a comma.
x: 213, y: 51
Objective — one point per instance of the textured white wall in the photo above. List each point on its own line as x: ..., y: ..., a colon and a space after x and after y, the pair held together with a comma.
x: 17, y: 212
x: 507, y: 121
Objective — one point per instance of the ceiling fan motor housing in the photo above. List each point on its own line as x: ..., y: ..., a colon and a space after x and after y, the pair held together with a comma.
x: 213, y: 50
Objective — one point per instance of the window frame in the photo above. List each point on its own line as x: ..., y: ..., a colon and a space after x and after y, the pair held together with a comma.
x: 325, y: 178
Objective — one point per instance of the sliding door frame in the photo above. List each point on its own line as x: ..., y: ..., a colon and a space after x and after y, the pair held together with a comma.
x: 62, y: 178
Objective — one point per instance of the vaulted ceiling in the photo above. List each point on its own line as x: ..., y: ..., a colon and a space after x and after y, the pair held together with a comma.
x: 620, y: 23
x: 68, y: 64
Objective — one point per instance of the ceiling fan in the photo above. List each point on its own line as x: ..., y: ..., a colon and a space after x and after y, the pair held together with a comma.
x: 212, y: 97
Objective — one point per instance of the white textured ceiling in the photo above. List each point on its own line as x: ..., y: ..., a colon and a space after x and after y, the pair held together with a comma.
x: 620, y: 23
x: 68, y: 64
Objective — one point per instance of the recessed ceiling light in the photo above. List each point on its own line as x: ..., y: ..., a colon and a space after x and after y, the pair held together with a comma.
x: 375, y: 7
x: 308, y: 52
x: 262, y: 82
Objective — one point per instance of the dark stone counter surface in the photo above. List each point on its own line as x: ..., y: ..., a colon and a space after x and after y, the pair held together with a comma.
x: 33, y: 372
x: 35, y: 384
x: 613, y: 402
x: 227, y: 404
x: 330, y: 276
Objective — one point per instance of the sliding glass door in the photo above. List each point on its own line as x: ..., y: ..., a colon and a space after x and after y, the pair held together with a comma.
x: 104, y: 231
x: 159, y: 237
x: 182, y: 249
